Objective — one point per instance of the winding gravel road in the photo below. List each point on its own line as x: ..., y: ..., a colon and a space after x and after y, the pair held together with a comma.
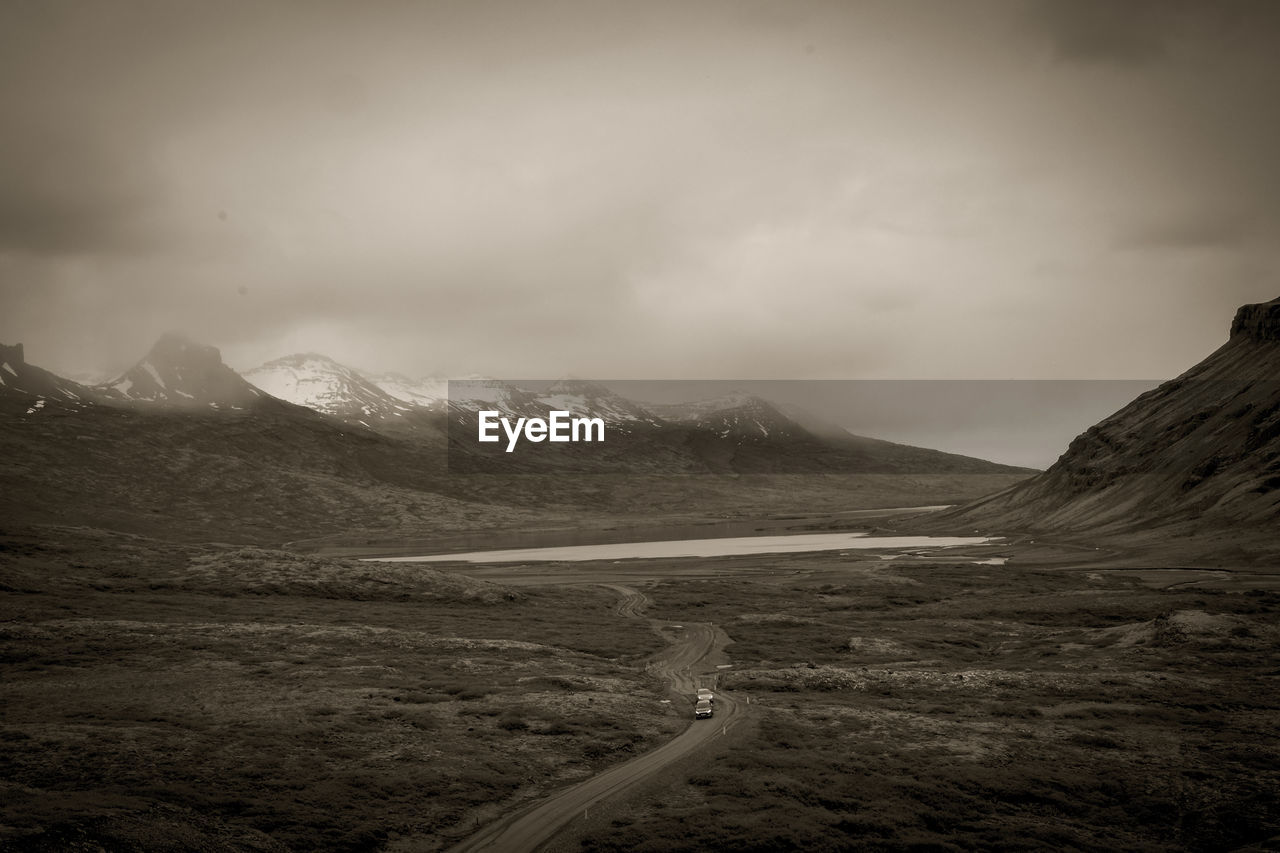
x: 528, y: 829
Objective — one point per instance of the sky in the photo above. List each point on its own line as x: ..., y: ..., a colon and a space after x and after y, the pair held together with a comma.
x: 770, y: 189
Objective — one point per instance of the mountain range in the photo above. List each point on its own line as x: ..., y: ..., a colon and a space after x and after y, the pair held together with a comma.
x: 182, y: 445
x: 738, y: 433
x: 326, y: 447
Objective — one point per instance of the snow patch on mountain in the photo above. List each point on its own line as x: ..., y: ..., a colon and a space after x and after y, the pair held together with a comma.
x: 318, y: 382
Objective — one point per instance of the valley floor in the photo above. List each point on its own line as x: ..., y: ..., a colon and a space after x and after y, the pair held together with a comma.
x: 223, y: 697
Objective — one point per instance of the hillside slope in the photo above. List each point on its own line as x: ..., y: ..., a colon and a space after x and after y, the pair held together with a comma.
x: 26, y: 380
x: 1201, y: 451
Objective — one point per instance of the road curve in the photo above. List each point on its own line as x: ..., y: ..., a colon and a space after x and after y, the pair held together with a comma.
x: 528, y: 829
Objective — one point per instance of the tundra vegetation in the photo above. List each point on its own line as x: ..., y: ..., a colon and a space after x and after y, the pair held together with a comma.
x: 241, y: 698
x: 228, y: 697
x: 937, y: 706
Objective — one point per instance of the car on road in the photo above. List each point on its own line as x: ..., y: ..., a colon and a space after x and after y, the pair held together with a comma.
x: 702, y: 709
x: 704, y: 693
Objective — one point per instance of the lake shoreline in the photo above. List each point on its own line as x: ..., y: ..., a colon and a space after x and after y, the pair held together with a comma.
x: 698, y: 548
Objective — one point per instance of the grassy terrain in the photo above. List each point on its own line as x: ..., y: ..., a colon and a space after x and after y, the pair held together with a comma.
x: 208, y: 697
x: 163, y: 696
x: 961, y: 707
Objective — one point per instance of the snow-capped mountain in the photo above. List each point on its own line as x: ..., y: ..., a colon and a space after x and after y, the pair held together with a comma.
x: 318, y: 382
x: 429, y: 392
x: 591, y: 399
x: 181, y: 372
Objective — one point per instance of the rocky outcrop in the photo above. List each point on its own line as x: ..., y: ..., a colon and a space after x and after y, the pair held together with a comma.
x: 1259, y: 322
x: 12, y: 355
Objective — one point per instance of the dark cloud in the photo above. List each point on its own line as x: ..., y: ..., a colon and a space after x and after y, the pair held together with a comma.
x: 63, y: 192
x: 1203, y: 229
x: 1136, y: 33
x: 1129, y: 32
x: 808, y: 188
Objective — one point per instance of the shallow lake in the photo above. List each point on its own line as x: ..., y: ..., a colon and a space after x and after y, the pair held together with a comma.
x: 716, y: 547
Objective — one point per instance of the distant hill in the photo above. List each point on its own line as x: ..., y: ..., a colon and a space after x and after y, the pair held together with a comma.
x: 1199, y: 452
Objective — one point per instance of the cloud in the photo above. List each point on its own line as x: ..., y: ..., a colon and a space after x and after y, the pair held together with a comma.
x: 62, y: 193
x: 554, y: 186
x: 1142, y: 33
x: 1131, y: 32
x: 1199, y: 229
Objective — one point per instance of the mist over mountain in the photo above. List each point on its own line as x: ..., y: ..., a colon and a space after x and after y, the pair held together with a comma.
x: 182, y: 373
x: 180, y: 442
x: 739, y: 414
x: 429, y: 392
x: 595, y: 400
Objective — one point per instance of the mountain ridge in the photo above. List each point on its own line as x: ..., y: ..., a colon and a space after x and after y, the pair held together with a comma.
x: 1201, y: 451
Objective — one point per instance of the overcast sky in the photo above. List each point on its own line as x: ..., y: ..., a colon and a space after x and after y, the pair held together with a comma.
x: 767, y: 189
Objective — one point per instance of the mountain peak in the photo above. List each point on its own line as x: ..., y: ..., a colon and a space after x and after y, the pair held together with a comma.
x: 176, y: 349
x: 318, y: 382
x: 1260, y: 322
x: 182, y: 372
x: 12, y: 355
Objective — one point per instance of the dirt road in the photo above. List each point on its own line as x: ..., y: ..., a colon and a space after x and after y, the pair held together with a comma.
x: 528, y: 829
